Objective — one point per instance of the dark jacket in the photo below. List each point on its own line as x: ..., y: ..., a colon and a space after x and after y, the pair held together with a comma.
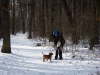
x: 56, y: 39
x: 62, y: 40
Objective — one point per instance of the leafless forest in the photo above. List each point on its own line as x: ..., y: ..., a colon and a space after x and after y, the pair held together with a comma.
x: 77, y: 19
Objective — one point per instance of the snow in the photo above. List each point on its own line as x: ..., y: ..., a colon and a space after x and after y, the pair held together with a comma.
x: 26, y: 59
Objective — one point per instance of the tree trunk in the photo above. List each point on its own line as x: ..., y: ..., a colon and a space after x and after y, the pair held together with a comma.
x: 95, y: 36
x: 43, y: 20
x: 13, y: 23
x: 52, y: 14
x: 6, y: 48
x: 0, y: 22
x: 66, y: 7
x: 31, y: 7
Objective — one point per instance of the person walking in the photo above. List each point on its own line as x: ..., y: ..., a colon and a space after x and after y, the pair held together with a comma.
x: 59, y: 42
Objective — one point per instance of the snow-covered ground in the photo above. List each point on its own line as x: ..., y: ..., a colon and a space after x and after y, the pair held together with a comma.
x: 26, y: 59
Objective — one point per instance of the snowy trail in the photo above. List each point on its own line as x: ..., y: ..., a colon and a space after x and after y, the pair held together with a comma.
x: 26, y: 59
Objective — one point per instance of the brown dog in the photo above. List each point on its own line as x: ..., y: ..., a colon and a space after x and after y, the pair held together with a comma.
x: 49, y: 56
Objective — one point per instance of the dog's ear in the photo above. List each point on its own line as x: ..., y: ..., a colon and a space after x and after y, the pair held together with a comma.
x: 50, y: 53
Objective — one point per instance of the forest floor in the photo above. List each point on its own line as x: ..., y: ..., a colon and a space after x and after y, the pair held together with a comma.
x: 26, y: 59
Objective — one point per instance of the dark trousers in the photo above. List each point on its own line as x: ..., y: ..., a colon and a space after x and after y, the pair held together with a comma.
x: 58, y: 52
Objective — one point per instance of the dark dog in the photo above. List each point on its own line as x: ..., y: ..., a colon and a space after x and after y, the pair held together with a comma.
x: 48, y: 57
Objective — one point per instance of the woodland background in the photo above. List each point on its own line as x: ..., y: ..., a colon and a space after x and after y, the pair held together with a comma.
x: 77, y: 19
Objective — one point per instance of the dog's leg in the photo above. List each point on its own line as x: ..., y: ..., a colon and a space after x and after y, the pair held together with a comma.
x: 43, y: 59
x: 50, y: 60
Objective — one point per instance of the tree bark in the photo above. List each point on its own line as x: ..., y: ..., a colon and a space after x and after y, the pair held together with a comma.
x: 66, y: 7
x: 6, y: 48
x: 95, y: 35
x: 13, y: 23
x: 0, y: 22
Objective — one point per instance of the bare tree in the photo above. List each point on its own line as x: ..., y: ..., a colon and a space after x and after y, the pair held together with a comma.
x: 95, y: 37
x: 0, y: 22
x: 13, y: 23
x: 6, y: 48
